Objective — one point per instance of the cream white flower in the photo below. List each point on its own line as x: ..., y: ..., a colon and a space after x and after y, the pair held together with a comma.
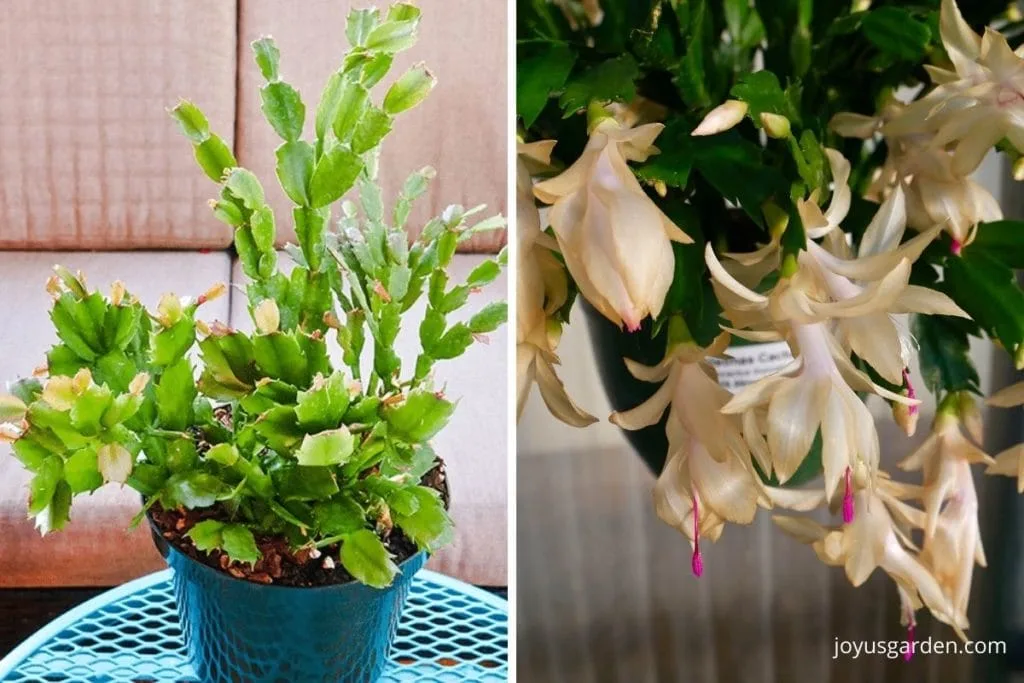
x: 977, y: 104
x: 878, y: 538
x: 615, y: 241
x: 798, y: 310
x: 541, y: 289
x: 707, y: 479
x: 940, y: 458
x: 954, y: 546
x: 935, y: 194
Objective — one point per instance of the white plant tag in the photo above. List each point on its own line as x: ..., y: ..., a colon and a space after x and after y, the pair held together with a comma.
x: 750, y: 363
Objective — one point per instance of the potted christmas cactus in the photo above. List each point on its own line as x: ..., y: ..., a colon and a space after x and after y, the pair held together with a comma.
x: 796, y: 175
x: 286, y: 473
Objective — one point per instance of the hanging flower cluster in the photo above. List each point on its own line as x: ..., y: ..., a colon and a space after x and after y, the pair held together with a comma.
x: 865, y: 264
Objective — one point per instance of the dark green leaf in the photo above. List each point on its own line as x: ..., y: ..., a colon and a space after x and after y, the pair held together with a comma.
x: 988, y: 292
x: 1002, y: 241
x: 944, y: 354
x: 540, y: 77
x: 612, y: 80
x: 896, y: 32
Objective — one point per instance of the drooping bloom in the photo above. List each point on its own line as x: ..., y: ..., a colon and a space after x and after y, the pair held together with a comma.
x: 541, y: 289
x: 707, y: 479
x: 879, y: 537
x: 977, y: 104
x: 952, y: 536
x: 615, y: 241
x: 818, y: 389
x: 935, y: 194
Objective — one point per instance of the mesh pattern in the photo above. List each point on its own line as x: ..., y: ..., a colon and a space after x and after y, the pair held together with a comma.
x: 449, y: 632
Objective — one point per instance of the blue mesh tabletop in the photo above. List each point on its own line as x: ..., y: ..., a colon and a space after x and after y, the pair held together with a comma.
x: 450, y: 632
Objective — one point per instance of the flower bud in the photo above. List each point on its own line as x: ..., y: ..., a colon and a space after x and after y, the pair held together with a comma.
x: 203, y: 329
x: 138, y: 384
x: 721, y: 118
x: 114, y: 462
x: 59, y: 393
x: 1018, y: 169
x: 81, y: 381
x: 775, y: 125
x: 905, y: 417
x: 776, y: 218
x: 169, y: 310
x: 117, y: 292
x: 9, y: 432
x: 596, y: 113
x: 214, y: 292
x: 75, y: 284
x: 267, y: 316
x: 53, y: 287
x: 12, y: 408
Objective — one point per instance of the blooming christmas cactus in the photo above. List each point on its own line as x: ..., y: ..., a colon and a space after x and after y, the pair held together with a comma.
x: 264, y: 435
x: 783, y: 171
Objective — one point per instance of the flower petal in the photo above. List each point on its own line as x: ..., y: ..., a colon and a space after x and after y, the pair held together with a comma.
x: 917, y: 299
x: 793, y: 418
x: 1008, y: 397
x: 557, y: 399
x: 887, y: 226
x: 728, y: 281
x: 647, y: 413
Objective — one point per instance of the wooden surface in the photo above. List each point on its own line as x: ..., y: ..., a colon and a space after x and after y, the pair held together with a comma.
x: 605, y: 593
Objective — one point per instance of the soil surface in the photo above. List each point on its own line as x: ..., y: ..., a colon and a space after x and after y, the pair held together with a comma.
x: 279, y: 564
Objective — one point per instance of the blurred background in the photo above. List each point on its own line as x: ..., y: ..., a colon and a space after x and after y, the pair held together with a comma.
x: 605, y: 590
x: 95, y: 175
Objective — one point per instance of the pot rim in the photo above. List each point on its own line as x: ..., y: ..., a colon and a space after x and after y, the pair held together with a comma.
x: 159, y: 539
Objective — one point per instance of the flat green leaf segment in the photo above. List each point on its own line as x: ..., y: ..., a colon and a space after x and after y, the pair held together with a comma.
x: 264, y: 429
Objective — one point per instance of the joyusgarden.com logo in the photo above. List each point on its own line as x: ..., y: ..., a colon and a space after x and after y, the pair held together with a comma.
x: 892, y: 649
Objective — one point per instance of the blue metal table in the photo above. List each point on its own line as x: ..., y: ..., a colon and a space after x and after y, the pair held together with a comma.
x: 450, y: 632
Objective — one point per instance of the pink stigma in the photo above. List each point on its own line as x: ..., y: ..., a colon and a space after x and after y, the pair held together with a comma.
x: 696, y: 562
x: 848, y: 497
x: 910, y: 391
x: 909, y: 654
x: 956, y: 247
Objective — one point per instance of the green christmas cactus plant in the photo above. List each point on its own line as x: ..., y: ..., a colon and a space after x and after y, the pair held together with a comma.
x: 275, y: 438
